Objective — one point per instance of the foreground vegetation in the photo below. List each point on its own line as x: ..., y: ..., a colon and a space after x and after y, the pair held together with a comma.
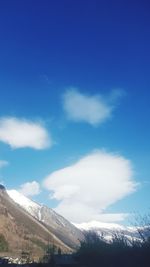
x: 96, y: 251
x: 122, y: 252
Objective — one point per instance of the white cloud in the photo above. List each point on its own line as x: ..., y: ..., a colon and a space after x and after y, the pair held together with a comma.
x: 3, y: 163
x: 30, y: 189
x: 87, y: 108
x: 20, y: 133
x: 112, y: 217
x: 85, y: 189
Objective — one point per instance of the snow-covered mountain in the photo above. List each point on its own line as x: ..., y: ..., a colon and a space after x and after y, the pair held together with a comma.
x: 54, y: 222
x: 22, y: 231
x: 30, y: 206
x: 109, y: 229
x: 59, y: 224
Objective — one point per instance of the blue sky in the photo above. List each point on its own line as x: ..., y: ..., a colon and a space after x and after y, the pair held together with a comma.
x: 74, y: 83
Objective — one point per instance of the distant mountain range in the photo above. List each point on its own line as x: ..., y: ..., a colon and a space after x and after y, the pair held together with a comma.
x: 26, y: 225
x: 108, y: 230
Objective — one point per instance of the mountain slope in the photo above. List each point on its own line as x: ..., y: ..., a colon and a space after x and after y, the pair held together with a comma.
x: 54, y: 222
x: 22, y: 231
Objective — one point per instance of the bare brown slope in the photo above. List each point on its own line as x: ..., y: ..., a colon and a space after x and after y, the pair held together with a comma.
x: 54, y: 222
x: 22, y: 231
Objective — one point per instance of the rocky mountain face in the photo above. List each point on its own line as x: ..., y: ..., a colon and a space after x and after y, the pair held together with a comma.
x: 32, y: 226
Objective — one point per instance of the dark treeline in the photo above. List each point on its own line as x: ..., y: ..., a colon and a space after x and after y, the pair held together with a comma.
x: 95, y: 251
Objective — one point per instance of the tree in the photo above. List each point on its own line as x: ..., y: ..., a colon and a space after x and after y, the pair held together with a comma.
x: 93, y: 249
x: 59, y: 251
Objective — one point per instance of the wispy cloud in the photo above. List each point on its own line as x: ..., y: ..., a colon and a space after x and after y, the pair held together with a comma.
x: 85, y: 189
x: 30, y: 188
x: 112, y: 217
x: 19, y: 133
x: 92, y: 109
x: 3, y: 163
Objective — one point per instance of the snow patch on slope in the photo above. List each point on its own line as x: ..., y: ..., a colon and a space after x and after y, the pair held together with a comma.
x: 30, y: 206
x: 55, y: 222
x: 40, y: 212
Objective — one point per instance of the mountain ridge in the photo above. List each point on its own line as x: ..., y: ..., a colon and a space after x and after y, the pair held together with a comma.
x: 22, y: 230
x: 54, y: 221
x: 109, y: 230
